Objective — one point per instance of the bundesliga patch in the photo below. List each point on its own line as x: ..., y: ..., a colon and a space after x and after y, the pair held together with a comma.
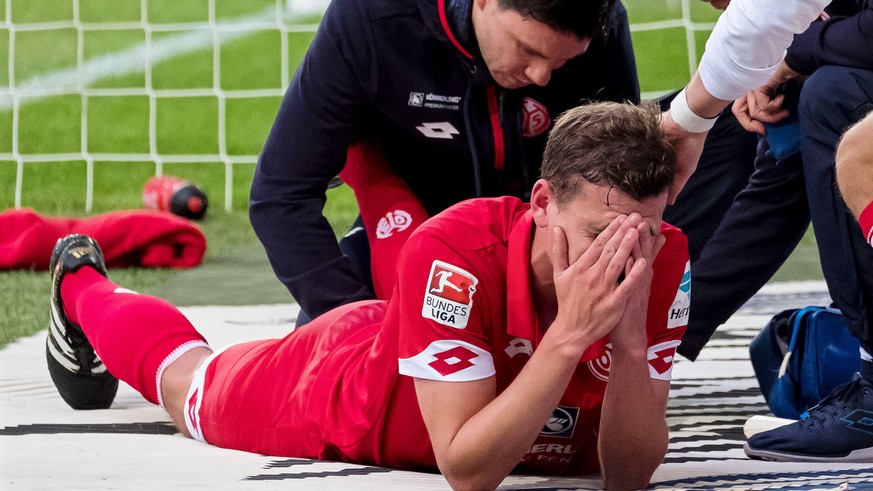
x: 448, y: 298
x: 677, y: 316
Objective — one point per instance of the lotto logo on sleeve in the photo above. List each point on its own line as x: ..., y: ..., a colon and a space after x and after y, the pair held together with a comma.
x: 661, y: 357
x: 449, y: 360
x: 448, y: 298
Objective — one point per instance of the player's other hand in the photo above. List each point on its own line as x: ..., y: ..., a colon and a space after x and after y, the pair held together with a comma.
x: 593, y: 291
x: 630, y: 332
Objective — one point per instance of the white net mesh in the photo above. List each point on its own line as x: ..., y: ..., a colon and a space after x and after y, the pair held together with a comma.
x: 88, y: 57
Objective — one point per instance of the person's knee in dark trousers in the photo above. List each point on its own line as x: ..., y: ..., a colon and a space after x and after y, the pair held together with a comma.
x: 755, y: 237
x: 356, y: 248
x: 833, y: 99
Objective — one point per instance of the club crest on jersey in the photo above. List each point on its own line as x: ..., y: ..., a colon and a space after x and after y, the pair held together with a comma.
x: 448, y: 297
x: 562, y: 423
x: 393, y: 221
x: 536, y: 118
x: 677, y: 316
x: 600, y: 366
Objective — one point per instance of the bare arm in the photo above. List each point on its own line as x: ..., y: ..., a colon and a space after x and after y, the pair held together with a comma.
x: 854, y: 166
x: 479, y: 436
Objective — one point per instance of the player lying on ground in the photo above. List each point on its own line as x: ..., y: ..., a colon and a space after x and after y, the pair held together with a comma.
x: 533, y: 338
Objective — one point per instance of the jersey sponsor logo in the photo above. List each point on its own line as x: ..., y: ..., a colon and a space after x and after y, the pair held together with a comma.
x: 416, y: 99
x: 661, y: 357
x: 600, y: 366
x: 448, y: 298
x: 536, y: 118
x: 393, y: 221
x: 677, y: 316
x: 562, y: 423
x: 443, y: 130
x: 449, y: 360
x: 550, y: 452
x: 518, y: 346
x: 434, y: 101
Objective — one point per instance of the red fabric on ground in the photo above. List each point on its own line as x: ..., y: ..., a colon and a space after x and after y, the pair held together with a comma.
x: 144, y: 238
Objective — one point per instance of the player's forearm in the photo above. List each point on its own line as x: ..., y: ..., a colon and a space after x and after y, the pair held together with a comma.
x: 493, y: 442
x: 633, y: 431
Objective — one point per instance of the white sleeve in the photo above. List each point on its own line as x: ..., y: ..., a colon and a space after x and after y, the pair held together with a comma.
x: 749, y: 41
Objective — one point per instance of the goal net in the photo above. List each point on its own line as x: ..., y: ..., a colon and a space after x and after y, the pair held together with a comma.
x: 98, y: 95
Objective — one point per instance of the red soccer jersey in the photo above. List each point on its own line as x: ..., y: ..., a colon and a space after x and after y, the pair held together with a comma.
x: 462, y: 310
x: 467, y: 312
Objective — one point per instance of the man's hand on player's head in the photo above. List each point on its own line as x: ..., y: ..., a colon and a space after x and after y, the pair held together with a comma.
x: 593, y: 291
x: 688, y: 148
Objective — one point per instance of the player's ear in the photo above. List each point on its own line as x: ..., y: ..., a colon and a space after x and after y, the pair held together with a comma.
x: 540, y: 198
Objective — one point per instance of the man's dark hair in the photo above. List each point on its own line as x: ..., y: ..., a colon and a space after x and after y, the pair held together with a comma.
x: 584, y: 18
x: 609, y: 144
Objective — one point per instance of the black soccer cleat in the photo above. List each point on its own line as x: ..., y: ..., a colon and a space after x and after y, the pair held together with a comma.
x: 77, y: 372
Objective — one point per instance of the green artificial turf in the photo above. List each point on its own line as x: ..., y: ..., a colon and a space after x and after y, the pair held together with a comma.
x: 118, y: 124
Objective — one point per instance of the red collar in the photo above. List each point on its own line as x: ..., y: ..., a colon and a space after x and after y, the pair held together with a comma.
x: 521, y: 315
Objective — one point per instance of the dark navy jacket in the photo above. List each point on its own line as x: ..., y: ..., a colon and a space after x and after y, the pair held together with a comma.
x: 846, y: 39
x: 408, y: 74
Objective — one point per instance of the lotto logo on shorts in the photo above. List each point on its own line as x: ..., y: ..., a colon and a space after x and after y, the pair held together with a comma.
x: 448, y: 298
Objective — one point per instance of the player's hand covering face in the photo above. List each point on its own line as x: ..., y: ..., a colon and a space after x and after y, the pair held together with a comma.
x: 602, y: 250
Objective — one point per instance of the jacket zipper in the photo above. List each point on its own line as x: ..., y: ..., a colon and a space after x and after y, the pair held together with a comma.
x: 496, y: 129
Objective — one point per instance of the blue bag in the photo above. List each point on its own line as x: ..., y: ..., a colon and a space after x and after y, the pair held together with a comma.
x: 800, y: 356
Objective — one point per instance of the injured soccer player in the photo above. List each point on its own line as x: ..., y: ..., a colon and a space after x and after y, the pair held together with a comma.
x: 533, y: 338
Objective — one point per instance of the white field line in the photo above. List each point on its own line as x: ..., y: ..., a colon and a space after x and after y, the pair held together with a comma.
x: 130, y: 60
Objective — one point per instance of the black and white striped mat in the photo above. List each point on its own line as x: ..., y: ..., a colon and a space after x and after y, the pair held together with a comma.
x: 45, y: 445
